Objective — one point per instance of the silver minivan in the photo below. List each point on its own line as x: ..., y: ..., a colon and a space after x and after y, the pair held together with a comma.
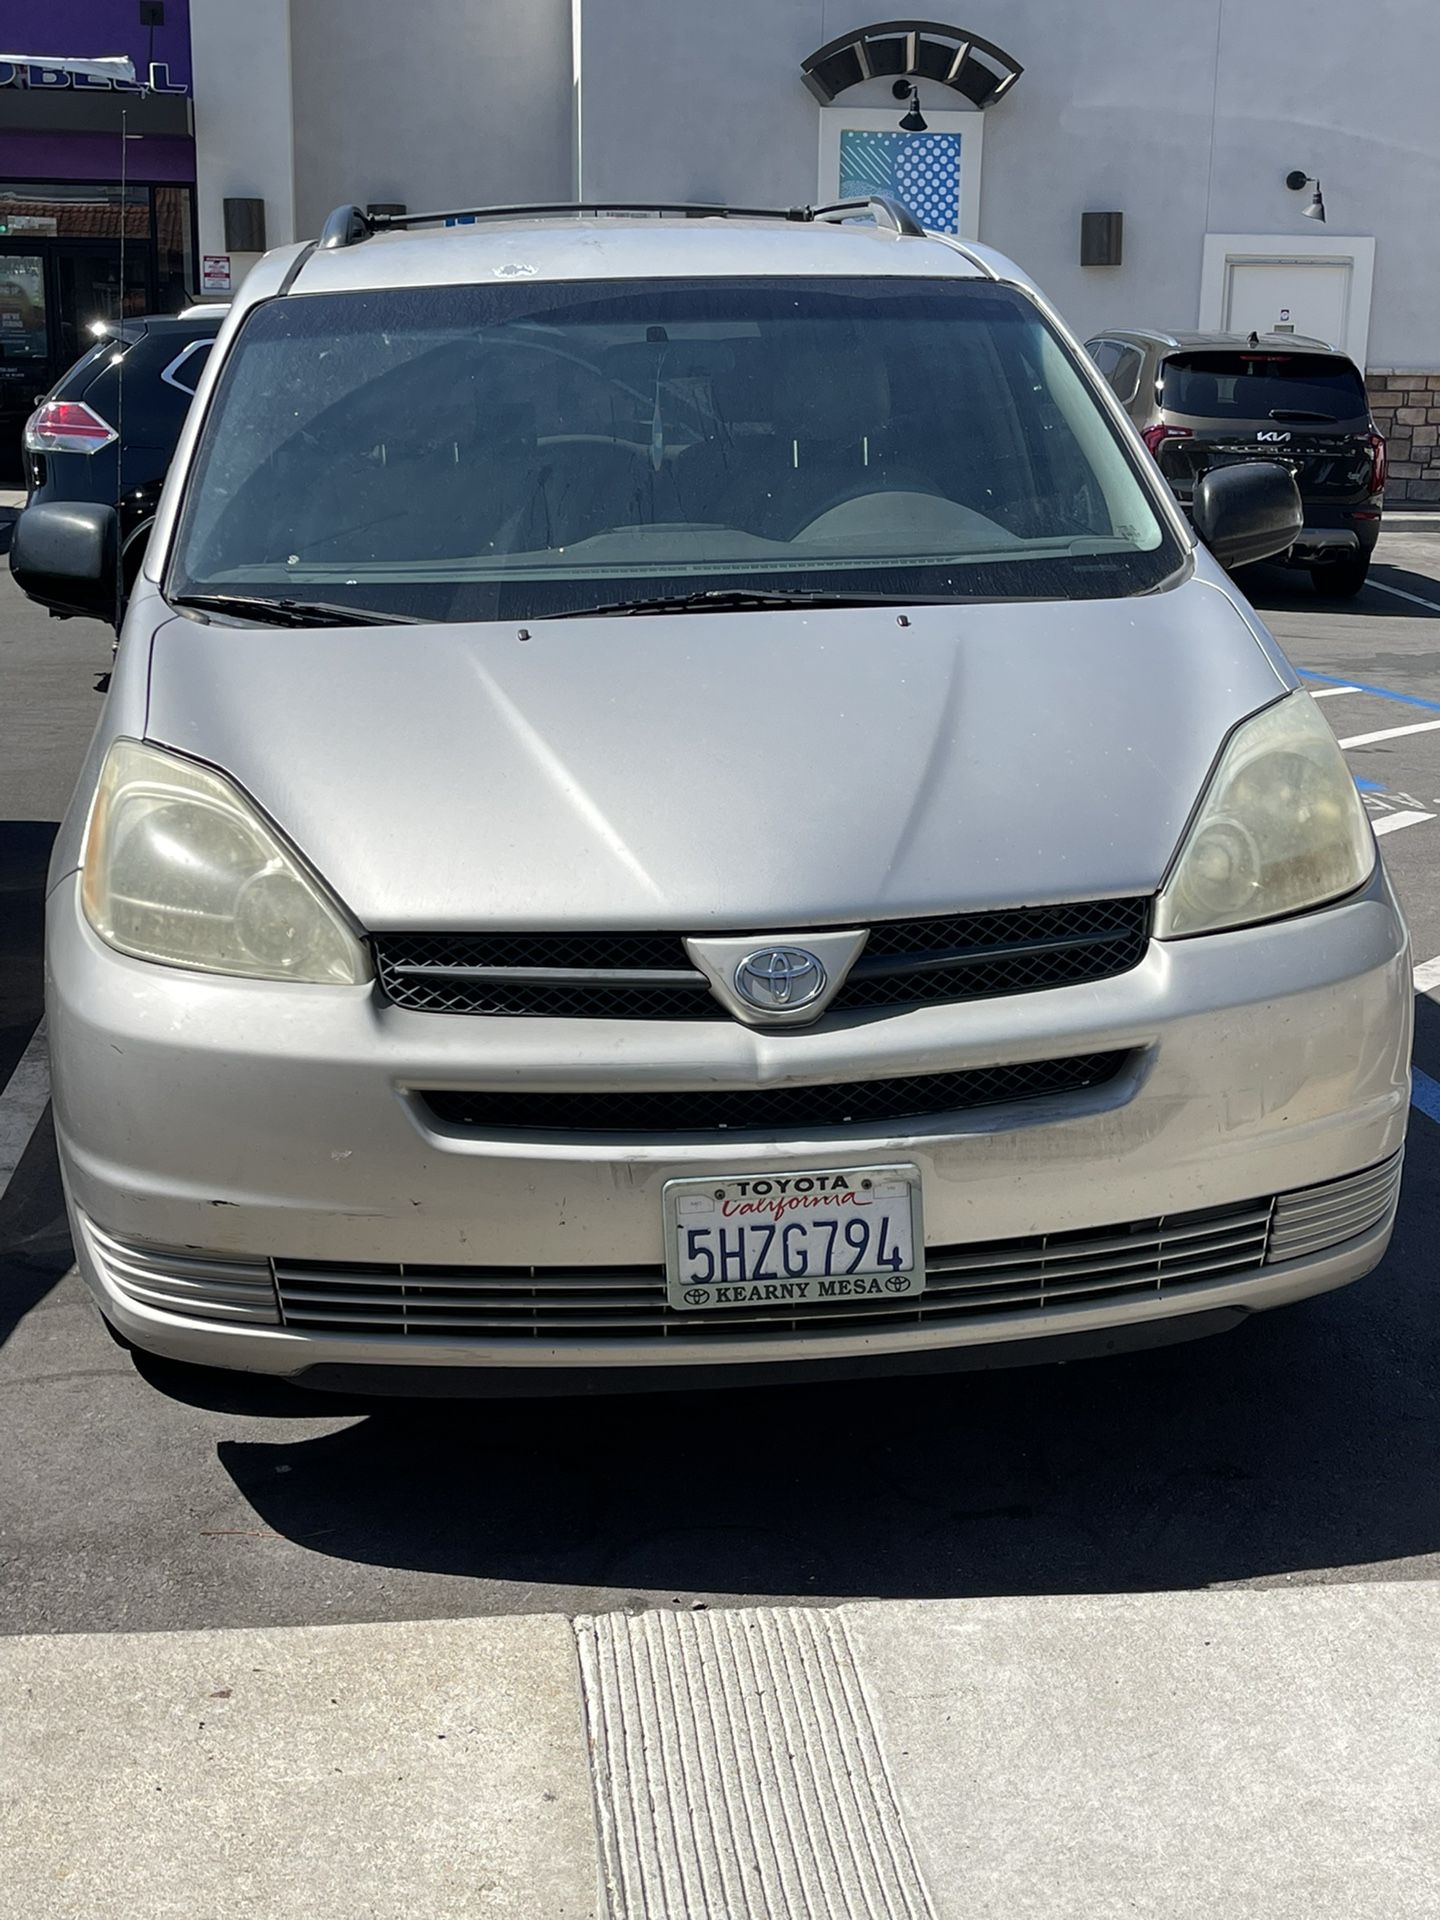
x: 680, y: 805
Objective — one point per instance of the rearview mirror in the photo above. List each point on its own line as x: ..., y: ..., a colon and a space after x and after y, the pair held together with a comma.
x: 65, y: 555
x: 1247, y: 513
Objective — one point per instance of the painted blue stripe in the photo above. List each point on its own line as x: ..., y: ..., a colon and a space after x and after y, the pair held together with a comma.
x: 1369, y: 786
x: 1425, y: 1093
x: 1381, y: 693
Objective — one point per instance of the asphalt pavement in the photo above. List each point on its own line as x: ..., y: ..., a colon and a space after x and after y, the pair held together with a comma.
x: 1299, y: 1449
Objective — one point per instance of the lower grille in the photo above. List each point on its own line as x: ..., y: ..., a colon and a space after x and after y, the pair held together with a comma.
x: 200, y: 1286
x: 1156, y: 1259
x: 1318, y: 1217
x: 769, y: 1110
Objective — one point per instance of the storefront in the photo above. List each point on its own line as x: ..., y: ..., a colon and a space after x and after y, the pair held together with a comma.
x: 97, y: 215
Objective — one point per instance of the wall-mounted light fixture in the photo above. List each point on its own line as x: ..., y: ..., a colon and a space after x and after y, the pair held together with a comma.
x: 1297, y: 183
x: 245, y: 226
x: 1102, y: 239
x: 914, y: 121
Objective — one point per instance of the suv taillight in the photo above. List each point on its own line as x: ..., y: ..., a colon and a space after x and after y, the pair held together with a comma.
x: 1155, y: 437
x: 67, y: 426
x: 1378, y: 462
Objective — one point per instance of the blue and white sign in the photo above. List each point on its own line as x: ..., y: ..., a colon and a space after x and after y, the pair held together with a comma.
x: 921, y: 170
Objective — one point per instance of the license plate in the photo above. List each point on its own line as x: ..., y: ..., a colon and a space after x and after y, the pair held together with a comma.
x: 850, y: 1233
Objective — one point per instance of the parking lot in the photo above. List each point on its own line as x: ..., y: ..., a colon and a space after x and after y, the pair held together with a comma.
x: 1301, y: 1449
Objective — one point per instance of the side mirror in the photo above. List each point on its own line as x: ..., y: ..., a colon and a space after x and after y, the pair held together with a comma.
x: 66, y: 556
x: 1249, y: 512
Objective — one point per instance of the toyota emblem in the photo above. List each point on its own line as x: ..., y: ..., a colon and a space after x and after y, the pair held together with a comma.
x: 780, y: 979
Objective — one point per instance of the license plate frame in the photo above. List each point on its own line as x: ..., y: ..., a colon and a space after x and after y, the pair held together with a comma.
x: 791, y: 1272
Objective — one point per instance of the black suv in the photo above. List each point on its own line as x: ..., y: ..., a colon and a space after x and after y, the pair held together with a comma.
x: 1206, y: 400
x: 107, y: 429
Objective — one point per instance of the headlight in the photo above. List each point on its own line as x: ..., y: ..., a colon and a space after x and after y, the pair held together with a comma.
x: 1280, y: 828
x: 179, y: 868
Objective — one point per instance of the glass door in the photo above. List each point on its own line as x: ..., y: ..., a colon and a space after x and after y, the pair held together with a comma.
x: 87, y: 281
x: 24, y: 350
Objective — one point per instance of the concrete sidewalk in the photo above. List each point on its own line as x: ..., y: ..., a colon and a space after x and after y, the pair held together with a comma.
x: 1268, y: 1752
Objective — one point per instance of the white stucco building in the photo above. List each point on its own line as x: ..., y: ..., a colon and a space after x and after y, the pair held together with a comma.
x: 1184, y: 117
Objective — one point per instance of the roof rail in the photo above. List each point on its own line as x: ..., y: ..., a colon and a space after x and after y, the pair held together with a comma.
x: 880, y: 206
x: 347, y: 226
x: 344, y: 227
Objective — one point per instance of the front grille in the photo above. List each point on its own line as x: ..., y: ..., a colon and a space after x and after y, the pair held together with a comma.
x: 1155, y: 1259
x: 769, y: 1110
x: 591, y: 976
x: 649, y: 976
x: 981, y: 955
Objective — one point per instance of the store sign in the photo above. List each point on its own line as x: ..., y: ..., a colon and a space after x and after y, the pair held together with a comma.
x: 215, y: 273
x: 36, y: 79
x: 154, y: 35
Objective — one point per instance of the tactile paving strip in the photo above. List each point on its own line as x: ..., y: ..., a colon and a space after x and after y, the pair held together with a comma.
x: 737, y: 1771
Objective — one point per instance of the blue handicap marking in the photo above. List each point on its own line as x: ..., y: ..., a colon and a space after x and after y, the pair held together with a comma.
x: 1425, y: 1093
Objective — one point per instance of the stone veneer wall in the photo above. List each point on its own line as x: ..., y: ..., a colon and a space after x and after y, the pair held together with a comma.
x: 1407, y: 411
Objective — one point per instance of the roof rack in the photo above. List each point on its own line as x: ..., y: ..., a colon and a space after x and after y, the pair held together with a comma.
x: 347, y: 226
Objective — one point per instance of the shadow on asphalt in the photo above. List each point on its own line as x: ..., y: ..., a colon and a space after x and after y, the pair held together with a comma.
x: 1307, y: 1439
x: 1288, y: 589
x: 34, y: 1244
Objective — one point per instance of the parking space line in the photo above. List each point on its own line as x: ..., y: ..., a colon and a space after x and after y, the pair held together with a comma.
x: 1380, y: 693
x: 22, y: 1103
x: 1399, y: 593
x: 1427, y: 975
x: 1392, y: 822
x: 1391, y: 733
x: 1329, y: 693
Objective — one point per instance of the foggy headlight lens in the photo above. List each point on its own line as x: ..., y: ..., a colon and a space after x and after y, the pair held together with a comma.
x: 1280, y: 829
x: 181, y: 869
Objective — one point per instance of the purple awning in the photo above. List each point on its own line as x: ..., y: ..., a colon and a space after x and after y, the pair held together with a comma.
x: 94, y: 156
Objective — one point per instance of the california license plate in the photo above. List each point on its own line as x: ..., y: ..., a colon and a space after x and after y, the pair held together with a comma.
x: 852, y: 1233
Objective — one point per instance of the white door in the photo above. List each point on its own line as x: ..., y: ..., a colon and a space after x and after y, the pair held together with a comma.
x: 1291, y: 296
x: 935, y: 175
x: 1319, y: 284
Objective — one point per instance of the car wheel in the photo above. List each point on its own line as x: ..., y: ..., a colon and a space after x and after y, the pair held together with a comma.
x: 1341, y: 579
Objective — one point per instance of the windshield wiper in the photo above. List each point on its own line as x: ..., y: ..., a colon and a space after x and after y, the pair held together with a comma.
x: 749, y: 600
x: 291, y: 613
x: 1303, y: 413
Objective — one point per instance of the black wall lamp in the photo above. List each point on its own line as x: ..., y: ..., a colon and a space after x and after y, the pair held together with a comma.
x: 914, y: 121
x: 1297, y: 183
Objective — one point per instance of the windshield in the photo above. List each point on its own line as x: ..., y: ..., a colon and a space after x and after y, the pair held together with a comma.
x: 1260, y: 385
x: 520, y: 451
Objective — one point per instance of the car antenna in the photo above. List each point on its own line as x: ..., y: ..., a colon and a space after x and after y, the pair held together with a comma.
x: 1254, y: 339
x: 125, y: 137
x: 120, y: 368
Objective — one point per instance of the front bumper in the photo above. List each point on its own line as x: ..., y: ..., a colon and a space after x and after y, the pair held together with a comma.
x: 247, y: 1127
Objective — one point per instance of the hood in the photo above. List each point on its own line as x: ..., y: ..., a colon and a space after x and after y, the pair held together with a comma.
x: 706, y: 771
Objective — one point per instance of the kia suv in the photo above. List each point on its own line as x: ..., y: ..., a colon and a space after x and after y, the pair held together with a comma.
x: 680, y: 805
x: 1208, y: 400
